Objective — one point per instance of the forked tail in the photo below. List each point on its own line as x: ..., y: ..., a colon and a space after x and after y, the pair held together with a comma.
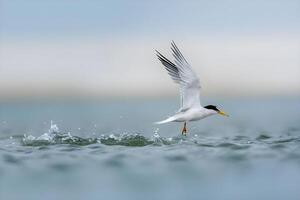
x: 170, y: 119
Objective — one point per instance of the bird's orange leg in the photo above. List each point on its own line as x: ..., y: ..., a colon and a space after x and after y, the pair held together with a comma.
x: 183, y: 132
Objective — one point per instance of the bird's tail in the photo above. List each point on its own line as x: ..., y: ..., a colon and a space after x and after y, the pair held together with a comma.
x: 170, y: 119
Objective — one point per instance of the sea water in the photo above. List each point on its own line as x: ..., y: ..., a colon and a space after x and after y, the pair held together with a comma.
x: 110, y: 149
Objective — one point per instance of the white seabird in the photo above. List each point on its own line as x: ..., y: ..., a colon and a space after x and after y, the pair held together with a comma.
x: 181, y: 72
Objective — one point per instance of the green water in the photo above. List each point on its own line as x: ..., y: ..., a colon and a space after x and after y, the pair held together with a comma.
x: 112, y: 150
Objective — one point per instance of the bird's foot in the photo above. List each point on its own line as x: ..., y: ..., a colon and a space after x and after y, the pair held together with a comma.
x: 183, y: 132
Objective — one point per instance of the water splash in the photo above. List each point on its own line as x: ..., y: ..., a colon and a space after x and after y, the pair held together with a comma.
x: 54, y: 136
x: 126, y: 139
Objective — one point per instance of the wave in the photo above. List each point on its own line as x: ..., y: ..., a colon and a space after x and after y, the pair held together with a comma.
x: 54, y: 136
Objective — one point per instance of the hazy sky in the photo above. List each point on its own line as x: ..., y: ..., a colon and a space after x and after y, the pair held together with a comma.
x: 104, y: 48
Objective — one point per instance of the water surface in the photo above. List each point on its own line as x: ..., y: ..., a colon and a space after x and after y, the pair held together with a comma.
x: 112, y: 150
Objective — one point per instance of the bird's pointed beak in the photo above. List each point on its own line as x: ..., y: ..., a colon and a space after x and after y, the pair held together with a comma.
x: 223, y: 113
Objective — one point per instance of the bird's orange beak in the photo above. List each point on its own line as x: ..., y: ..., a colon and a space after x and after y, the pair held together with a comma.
x: 223, y: 113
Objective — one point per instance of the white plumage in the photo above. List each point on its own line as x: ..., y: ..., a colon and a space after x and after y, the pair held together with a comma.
x: 182, y: 73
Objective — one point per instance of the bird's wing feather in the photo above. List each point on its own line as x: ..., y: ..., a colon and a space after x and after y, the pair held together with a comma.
x: 170, y: 67
x: 182, y: 73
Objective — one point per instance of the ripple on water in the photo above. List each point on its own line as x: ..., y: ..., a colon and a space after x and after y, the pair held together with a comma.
x: 70, y: 148
x: 240, y: 142
x: 240, y: 138
x: 176, y: 158
x: 263, y: 137
x: 225, y: 144
x: 116, y: 161
x: 8, y: 158
x: 234, y: 157
x: 278, y: 146
x: 293, y: 156
x: 233, y: 146
x: 61, y: 167
x: 285, y: 140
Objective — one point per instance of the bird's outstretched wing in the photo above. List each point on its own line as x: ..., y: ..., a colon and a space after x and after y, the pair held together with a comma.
x: 182, y: 73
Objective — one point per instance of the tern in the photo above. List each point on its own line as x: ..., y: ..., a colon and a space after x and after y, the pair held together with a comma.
x: 182, y: 73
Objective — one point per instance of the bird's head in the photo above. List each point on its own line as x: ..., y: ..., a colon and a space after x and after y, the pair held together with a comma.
x: 215, y: 110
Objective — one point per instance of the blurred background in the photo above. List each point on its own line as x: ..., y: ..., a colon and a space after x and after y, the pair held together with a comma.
x: 106, y: 48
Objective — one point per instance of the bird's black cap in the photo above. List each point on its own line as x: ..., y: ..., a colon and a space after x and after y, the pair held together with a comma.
x: 212, y: 107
